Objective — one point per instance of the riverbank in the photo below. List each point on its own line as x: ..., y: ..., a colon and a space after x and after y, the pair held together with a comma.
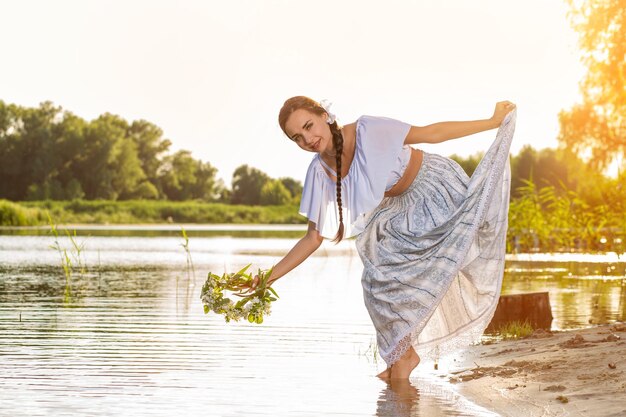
x: 33, y: 213
x: 573, y: 373
x: 572, y: 239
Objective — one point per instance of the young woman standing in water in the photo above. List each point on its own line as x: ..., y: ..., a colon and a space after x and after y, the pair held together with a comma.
x: 432, y: 239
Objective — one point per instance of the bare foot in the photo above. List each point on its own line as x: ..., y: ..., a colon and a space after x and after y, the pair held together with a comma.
x: 386, y: 374
x: 404, y: 366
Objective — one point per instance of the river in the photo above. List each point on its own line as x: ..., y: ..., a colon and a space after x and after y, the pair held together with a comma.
x: 128, y: 335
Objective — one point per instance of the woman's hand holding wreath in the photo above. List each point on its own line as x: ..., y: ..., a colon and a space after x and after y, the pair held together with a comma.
x: 255, y: 293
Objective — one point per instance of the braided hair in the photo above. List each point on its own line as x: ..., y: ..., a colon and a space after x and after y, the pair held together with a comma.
x: 302, y: 102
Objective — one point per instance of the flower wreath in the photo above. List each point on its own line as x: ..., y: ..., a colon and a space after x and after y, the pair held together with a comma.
x: 252, y: 306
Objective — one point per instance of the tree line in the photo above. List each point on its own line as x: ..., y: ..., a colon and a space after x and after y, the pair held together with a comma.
x: 50, y: 154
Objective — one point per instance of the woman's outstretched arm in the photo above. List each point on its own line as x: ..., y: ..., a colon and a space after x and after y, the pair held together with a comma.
x: 301, y: 250
x: 443, y: 131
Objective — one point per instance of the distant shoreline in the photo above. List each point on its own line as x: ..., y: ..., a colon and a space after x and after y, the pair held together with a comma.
x: 200, y: 216
x: 105, y: 212
x: 176, y: 227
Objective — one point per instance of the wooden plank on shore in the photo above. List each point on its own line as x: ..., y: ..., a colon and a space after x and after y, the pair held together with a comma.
x: 532, y: 307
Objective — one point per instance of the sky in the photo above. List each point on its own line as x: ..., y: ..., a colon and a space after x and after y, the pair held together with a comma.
x: 214, y: 74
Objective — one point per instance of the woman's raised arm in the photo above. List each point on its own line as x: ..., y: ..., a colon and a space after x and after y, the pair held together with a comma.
x: 443, y: 131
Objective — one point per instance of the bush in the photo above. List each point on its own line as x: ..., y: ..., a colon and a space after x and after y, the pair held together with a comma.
x: 12, y: 214
x: 160, y: 211
x: 274, y: 193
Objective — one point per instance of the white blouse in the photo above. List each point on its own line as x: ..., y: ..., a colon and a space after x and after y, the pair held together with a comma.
x: 380, y: 159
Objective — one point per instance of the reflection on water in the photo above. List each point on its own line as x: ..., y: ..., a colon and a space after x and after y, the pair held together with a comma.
x: 133, y: 339
x: 424, y: 396
x: 581, y: 293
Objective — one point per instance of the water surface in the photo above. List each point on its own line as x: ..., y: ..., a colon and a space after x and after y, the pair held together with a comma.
x: 132, y: 339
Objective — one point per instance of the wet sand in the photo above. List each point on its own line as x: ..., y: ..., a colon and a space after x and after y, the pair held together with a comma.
x: 573, y: 373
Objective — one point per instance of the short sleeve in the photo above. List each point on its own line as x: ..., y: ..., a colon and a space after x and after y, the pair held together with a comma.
x: 379, y: 143
x: 318, y: 202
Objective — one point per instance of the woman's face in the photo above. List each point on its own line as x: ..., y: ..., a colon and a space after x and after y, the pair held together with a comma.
x: 309, y: 131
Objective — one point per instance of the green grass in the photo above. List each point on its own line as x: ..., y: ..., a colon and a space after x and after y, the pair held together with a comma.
x: 515, y: 330
x: 143, y: 211
x: 13, y: 214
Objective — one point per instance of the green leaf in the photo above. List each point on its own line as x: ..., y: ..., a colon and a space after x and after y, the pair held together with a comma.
x: 263, y: 282
x: 242, y: 271
x: 273, y: 291
x: 242, y: 302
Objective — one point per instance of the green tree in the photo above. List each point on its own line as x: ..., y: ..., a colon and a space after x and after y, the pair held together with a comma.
x: 38, y: 145
x: 145, y: 191
x: 151, y: 146
x: 294, y: 186
x: 597, y: 125
x: 247, y: 185
x: 544, y: 167
x: 205, y: 188
x: 470, y: 163
x: 70, y: 142
x: 126, y: 168
x: 48, y: 153
x: 178, y: 175
x: 73, y: 190
x: 184, y: 178
x: 221, y: 192
x: 38, y: 148
x: 274, y: 193
x: 110, y: 168
x: 11, y: 150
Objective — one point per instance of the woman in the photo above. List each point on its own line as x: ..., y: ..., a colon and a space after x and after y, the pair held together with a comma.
x: 431, y: 239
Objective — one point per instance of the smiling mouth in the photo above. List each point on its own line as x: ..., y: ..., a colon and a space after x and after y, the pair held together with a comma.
x: 317, y: 144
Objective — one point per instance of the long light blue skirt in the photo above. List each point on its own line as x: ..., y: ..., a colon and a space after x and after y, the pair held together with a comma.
x: 433, y: 256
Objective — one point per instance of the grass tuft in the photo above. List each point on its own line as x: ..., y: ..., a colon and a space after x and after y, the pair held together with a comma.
x: 515, y: 330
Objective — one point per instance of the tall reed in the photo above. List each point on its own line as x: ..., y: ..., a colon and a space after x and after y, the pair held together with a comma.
x: 548, y: 219
x: 75, y: 252
x: 66, y: 262
x: 190, y: 271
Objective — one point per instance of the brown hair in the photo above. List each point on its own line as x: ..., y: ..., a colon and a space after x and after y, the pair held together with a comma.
x: 302, y: 102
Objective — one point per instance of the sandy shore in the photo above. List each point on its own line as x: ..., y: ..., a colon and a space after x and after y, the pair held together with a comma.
x: 571, y: 373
